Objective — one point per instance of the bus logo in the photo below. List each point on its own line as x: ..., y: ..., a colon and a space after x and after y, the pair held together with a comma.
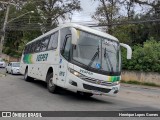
x: 42, y: 57
x: 98, y: 82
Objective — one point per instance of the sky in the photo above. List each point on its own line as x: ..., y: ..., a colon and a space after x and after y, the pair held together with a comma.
x: 88, y: 9
x: 84, y: 16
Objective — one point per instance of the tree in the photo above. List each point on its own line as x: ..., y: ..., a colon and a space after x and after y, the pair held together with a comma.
x: 129, y: 6
x: 107, y: 13
x: 51, y: 11
x: 20, y: 31
x: 154, y: 4
x: 123, y: 33
x: 146, y: 57
x: 47, y: 14
x: 152, y: 13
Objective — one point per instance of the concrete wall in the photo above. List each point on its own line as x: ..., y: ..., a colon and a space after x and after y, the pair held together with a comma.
x: 9, y: 58
x: 4, y: 56
x: 150, y: 77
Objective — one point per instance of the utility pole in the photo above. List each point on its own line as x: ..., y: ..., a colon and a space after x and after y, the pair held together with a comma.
x: 5, y: 23
x: 4, y: 28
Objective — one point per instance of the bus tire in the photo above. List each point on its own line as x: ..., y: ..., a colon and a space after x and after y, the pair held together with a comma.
x: 26, y: 77
x: 50, y: 85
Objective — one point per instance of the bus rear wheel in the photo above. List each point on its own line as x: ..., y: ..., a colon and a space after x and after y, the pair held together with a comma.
x: 26, y: 77
x: 50, y: 85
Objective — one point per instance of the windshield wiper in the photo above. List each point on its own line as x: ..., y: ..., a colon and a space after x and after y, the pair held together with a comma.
x: 107, y: 59
x: 94, y: 57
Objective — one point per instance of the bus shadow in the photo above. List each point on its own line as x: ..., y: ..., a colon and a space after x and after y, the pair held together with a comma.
x: 40, y: 83
x: 71, y: 95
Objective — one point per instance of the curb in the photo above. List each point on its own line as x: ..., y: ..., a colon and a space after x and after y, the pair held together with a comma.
x: 139, y: 86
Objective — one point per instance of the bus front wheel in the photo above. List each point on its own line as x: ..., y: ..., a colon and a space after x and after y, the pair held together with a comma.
x: 50, y: 85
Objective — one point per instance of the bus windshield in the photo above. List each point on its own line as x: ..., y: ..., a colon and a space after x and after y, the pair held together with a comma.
x: 97, y: 52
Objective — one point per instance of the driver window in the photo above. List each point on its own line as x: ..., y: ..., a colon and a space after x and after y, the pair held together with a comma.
x: 67, y: 46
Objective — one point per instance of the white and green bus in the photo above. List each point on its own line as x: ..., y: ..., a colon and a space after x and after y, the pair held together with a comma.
x: 77, y: 58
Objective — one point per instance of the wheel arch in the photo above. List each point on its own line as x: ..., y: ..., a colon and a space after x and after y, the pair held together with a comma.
x: 50, y: 70
x: 26, y: 68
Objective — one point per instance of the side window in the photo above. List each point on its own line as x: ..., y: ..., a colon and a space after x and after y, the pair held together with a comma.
x: 67, y: 47
x: 44, y: 44
x: 32, y: 47
x: 29, y: 48
x: 37, y: 48
x: 64, y: 32
x: 25, y: 50
x: 53, y: 43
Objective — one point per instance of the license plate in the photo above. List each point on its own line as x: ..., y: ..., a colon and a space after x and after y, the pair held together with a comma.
x: 96, y: 92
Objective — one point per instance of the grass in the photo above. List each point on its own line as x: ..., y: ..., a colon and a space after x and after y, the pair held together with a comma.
x: 2, y: 75
x: 140, y: 83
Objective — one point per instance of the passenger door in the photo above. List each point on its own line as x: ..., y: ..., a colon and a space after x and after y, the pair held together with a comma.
x: 64, y: 58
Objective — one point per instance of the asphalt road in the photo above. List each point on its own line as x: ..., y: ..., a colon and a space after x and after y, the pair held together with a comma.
x: 19, y: 95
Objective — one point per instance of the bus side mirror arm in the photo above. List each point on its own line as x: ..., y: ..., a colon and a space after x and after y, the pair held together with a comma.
x: 129, y: 50
x: 74, y: 36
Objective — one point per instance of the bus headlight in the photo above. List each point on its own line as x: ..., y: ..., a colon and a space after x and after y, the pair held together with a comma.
x: 75, y: 72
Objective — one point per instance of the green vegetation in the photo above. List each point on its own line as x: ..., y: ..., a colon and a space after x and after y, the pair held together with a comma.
x: 46, y: 16
x: 2, y: 75
x: 146, y: 57
x: 140, y: 83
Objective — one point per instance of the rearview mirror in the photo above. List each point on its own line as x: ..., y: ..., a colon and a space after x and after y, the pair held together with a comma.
x: 74, y: 36
x: 129, y: 50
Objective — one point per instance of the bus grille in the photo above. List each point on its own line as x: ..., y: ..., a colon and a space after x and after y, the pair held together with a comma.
x: 96, y: 81
x: 89, y: 87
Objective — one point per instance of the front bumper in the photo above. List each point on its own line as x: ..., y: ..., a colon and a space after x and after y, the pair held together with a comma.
x: 76, y: 84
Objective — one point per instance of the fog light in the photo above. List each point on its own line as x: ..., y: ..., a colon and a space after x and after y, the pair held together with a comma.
x: 73, y: 82
x: 114, y: 88
x: 116, y: 91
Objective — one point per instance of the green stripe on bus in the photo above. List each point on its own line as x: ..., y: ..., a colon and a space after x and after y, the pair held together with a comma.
x: 27, y: 59
x: 114, y: 78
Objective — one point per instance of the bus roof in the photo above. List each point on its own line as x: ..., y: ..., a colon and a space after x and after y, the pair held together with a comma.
x: 81, y: 27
